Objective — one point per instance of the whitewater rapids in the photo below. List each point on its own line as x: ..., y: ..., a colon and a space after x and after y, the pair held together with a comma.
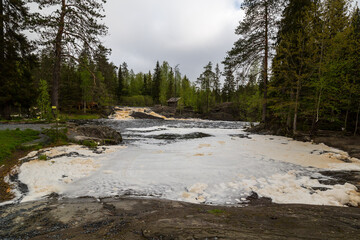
x: 194, y: 161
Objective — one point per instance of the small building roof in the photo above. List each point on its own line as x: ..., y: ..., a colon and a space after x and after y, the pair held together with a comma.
x: 173, y: 100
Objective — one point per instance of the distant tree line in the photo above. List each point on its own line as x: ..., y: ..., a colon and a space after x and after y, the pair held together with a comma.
x: 70, y: 68
x: 296, y: 63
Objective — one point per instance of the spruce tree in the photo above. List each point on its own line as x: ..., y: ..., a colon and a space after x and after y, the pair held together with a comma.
x: 229, y: 85
x: 120, y: 83
x: 171, y: 84
x: 156, y: 83
x: 291, y: 64
x: 16, y: 61
x: 216, y: 83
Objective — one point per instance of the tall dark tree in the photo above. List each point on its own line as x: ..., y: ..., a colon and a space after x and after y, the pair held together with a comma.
x: 229, y: 85
x: 171, y: 84
x: 156, y: 83
x: 291, y: 65
x: 71, y: 26
x: 355, y: 64
x: 16, y: 62
x: 205, y: 82
x: 107, y: 70
x: 254, y: 45
x: 216, y: 83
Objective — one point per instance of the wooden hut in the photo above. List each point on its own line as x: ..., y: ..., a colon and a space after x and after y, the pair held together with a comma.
x: 173, y: 102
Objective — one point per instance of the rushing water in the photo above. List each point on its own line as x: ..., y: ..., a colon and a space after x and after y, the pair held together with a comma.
x: 207, y: 162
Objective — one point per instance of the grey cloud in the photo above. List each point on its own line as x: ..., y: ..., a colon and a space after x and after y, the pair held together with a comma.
x: 186, y: 32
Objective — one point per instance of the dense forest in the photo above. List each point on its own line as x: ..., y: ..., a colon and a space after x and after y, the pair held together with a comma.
x: 296, y: 64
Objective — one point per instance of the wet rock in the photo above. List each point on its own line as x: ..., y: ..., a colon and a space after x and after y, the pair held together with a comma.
x: 341, y: 177
x: 144, y: 115
x: 180, y: 137
x: 255, y: 200
x: 97, y: 133
x: 240, y: 136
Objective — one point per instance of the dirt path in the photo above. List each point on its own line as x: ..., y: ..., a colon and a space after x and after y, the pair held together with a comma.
x: 129, y: 218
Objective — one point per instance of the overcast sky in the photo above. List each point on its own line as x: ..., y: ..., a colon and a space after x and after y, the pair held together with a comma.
x: 186, y: 32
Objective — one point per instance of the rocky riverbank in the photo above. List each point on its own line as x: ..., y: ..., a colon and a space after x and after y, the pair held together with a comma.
x: 81, y: 132
x: 131, y: 218
x: 221, y: 112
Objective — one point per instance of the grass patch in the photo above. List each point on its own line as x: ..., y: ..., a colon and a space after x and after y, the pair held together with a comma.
x: 65, y: 117
x: 89, y: 143
x: 43, y: 157
x: 10, y: 140
x: 57, y: 136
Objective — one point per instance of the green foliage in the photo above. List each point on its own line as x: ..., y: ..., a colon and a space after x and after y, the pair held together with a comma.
x: 89, y: 143
x: 65, y: 117
x: 137, y: 101
x: 43, y: 157
x: 10, y: 140
x: 17, y: 88
x: 57, y: 135
x: 156, y: 83
x: 314, y: 80
x: 57, y: 34
x: 43, y: 101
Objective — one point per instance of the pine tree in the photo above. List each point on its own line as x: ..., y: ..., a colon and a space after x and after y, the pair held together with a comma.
x: 72, y: 25
x: 256, y: 32
x: 205, y: 82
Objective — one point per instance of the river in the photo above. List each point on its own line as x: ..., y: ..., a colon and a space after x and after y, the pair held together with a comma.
x: 197, y: 161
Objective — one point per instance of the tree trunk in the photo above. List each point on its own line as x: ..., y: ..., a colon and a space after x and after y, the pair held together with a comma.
x: 347, y: 113
x: 318, y: 100
x: 2, y: 34
x: 357, y: 120
x: 58, y: 58
x: 288, y: 121
x: 6, y: 111
x: 346, y: 119
x: 266, y: 62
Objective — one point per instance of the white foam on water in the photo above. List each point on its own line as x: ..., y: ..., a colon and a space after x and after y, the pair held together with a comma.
x: 221, y: 169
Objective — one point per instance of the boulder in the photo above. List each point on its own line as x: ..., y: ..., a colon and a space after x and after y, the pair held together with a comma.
x: 97, y: 133
x: 142, y: 115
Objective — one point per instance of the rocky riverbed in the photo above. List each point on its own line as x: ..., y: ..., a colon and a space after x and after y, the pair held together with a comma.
x: 134, y: 218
